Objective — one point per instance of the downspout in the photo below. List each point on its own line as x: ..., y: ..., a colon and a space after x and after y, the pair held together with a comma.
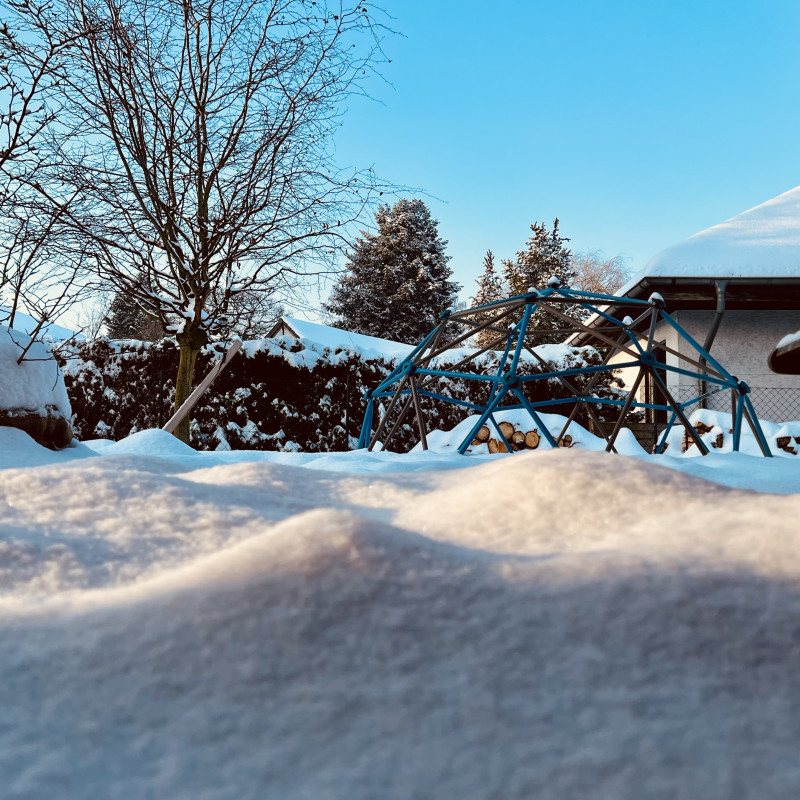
x: 720, y: 287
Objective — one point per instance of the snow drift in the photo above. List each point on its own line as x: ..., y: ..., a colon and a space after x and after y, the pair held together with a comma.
x: 551, y: 624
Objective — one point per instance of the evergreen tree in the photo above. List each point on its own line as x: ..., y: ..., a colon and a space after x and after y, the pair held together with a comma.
x: 490, y: 289
x: 125, y: 320
x: 397, y: 282
x: 545, y: 256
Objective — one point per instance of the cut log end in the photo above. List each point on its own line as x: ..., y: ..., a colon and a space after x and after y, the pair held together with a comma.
x: 496, y: 446
x: 507, y: 429
x: 532, y: 439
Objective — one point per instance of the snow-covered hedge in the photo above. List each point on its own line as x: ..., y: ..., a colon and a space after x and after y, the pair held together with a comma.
x: 277, y: 394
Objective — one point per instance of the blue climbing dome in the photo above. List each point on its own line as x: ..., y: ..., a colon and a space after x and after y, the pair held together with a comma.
x: 621, y: 328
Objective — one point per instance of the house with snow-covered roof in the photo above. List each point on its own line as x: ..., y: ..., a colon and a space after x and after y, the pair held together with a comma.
x: 325, y: 336
x: 735, y: 288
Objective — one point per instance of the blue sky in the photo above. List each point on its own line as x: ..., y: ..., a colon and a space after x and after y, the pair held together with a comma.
x: 636, y: 123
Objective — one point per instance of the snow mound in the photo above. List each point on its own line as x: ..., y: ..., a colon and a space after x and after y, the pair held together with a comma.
x: 152, y: 442
x: 18, y: 450
x: 343, y: 653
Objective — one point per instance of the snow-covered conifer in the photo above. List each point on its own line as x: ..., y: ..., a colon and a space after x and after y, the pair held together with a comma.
x: 126, y: 320
x: 490, y: 289
x: 398, y: 280
x: 545, y: 255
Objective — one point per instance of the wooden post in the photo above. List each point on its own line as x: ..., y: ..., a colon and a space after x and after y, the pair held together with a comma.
x: 192, y: 399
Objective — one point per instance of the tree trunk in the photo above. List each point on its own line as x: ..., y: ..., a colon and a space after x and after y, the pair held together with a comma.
x: 190, y: 341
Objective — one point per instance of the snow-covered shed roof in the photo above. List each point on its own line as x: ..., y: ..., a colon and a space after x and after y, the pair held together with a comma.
x: 27, y: 324
x: 751, y: 260
x: 763, y: 242
x: 336, y: 338
x: 757, y: 252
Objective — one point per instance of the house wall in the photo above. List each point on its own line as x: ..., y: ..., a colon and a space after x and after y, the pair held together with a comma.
x: 744, y: 341
x: 742, y: 345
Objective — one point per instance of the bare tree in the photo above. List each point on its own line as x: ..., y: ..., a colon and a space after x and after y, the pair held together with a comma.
x: 31, y: 65
x: 596, y: 273
x: 253, y: 314
x: 197, y: 134
x: 38, y: 275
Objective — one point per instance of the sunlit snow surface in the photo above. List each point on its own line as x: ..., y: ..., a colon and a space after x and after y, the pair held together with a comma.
x: 557, y: 624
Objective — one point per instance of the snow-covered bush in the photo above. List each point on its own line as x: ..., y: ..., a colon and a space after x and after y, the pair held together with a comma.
x: 32, y: 392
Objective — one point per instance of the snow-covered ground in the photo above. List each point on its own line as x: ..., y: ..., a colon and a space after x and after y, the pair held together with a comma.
x: 552, y: 624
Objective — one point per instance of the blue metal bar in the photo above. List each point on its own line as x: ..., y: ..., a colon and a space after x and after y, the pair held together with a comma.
x: 390, y: 379
x: 600, y: 313
x: 667, y: 395
x: 557, y: 401
x: 453, y: 400
x: 571, y: 293
x: 521, y: 333
x: 702, y: 351
x: 481, y: 420
x: 663, y: 441
x: 610, y: 298
x: 565, y: 373
x: 421, y: 346
x: 708, y: 378
x: 536, y: 418
x: 755, y: 426
x: 635, y: 404
x: 498, y: 304
x: 366, y: 425
x: 737, y: 422
x: 500, y: 433
x: 501, y: 365
x: 397, y: 371
x: 382, y: 421
x: 446, y: 373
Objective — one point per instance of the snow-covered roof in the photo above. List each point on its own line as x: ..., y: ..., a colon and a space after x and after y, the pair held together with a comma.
x: 27, y: 324
x: 336, y: 338
x: 763, y: 242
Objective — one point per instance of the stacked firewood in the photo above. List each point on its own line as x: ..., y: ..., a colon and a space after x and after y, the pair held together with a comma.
x: 785, y: 443
x: 701, y: 429
x: 517, y: 439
